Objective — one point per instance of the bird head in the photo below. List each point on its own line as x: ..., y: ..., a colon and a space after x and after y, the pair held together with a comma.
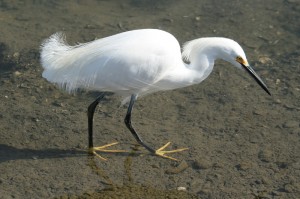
x: 234, y: 54
x: 219, y: 48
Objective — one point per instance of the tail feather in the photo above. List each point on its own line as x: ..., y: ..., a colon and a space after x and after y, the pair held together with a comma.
x: 57, y: 61
x: 52, y: 49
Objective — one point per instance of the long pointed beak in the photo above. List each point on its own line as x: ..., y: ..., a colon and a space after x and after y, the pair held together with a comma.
x: 256, y: 77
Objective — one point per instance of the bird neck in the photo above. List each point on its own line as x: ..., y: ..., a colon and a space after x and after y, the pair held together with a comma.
x: 200, y: 66
x: 201, y: 55
x: 186, y: 74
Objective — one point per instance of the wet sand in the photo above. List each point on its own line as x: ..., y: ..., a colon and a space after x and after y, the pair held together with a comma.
x: 242, y: 143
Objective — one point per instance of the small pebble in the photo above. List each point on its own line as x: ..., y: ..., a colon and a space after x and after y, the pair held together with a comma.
x: 258, y: 112
x: 17, y: 73
x: 16, y: 55
x: 155, y: 166
x: 278, y: 101
x: 265, y: 60
x: 35, y: 157
x: 181, y: 188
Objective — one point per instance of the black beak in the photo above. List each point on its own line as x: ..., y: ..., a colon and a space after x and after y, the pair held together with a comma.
x: 256, y: 78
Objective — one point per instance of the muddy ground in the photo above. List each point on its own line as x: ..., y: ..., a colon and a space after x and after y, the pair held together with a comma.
x: 242, y: 143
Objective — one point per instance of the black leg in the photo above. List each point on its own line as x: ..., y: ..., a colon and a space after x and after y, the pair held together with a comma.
x: 91, y: 111
x: 127, y: 121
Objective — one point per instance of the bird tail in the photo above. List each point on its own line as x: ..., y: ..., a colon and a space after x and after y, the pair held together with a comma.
x: 52, y: 49
x: 57, y: 61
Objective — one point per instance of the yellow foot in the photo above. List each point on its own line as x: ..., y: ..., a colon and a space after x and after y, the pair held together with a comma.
x: 161, y: 152
x: 94, y: 150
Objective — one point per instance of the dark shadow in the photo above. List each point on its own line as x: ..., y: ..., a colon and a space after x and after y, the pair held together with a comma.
x: 5, y: 63
x: 11, y: 153
x: 151, y: 4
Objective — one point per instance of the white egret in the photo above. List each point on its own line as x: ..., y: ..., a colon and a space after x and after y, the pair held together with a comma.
x: 135, y: 63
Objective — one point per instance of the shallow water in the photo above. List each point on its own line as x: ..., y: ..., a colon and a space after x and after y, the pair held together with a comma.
x: 242, y: 142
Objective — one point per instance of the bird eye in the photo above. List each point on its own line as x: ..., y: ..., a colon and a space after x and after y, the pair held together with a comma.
x: 240, y: 59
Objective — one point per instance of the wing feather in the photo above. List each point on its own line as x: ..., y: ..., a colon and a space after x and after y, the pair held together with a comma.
x: 130, y: 61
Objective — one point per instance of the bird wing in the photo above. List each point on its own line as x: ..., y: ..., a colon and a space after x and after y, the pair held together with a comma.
x: 127, y: 62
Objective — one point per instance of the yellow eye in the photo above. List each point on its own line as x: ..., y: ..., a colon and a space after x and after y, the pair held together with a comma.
x: 241, y: 60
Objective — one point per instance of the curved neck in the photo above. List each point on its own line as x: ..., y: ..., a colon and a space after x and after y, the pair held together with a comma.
x: 187, y: 74
x: 201, y: 53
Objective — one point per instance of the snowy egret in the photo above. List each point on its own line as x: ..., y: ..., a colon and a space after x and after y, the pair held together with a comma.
x: 133, y: 64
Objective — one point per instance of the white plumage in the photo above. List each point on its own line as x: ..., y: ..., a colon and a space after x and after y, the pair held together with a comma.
x: 136, y: 63
x: 115, y: 63
x: 133, y: 62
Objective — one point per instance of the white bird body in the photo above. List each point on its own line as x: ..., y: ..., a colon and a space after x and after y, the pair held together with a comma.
x: 134, y: 62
